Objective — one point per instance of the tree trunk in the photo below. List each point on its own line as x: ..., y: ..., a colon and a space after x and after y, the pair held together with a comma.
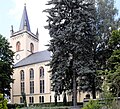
x: 64, y: 99
x: 74, y: 90
x: 74, y: 93
x: 56, y: 100
x: 74, y: 87
x: 93, y: 90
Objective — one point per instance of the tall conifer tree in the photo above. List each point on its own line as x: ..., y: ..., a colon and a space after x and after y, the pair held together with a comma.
x: 71, y: 26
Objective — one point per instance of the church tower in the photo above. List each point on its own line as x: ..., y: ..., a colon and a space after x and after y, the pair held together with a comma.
x: 24, y: 42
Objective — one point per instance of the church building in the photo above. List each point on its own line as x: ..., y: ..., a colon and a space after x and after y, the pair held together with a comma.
x: 31, y: 75
x: 30, y: 70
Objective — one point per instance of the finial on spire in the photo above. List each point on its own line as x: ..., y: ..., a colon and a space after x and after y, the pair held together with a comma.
x: 24, y: 4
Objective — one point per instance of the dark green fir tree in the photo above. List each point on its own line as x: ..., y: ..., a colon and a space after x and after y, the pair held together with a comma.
x: 71, y: 26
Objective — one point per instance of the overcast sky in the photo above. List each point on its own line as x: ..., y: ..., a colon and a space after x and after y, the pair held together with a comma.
x: 11, y: 13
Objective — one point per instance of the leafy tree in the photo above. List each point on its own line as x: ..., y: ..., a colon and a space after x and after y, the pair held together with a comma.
x: 114, y: 63
x: 6, y: 66
x: 106, y: 96
x: 71, y: 27
x: 105, y: 24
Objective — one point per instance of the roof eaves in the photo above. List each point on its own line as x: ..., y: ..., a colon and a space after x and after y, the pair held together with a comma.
x: 29, y: 64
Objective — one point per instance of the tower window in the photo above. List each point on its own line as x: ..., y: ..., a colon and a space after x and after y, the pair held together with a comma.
x: 31, y: 47
x: 18, y: 46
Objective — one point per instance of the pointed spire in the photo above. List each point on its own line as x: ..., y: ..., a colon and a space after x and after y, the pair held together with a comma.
x: 24, y: 20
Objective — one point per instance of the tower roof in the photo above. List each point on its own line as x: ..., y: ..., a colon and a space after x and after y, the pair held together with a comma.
x: 24, y: 20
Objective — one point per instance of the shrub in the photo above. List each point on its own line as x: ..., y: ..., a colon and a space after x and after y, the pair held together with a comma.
x: 3, y: 102
x: 92, y: 104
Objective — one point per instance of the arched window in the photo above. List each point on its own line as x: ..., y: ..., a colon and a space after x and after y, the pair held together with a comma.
x: 31, y: 74
x: 41, y: 72
x: 22, y: 83
x: 31, y: 47
x: 42, y: 82
x: 18, y: 46
x: 22, y: 75
x: 31, y: 80
x: 31, y: 86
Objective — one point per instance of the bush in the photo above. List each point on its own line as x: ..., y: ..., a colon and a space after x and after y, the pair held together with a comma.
x: 92, y: 104
x: 3, y: 102
x: 14, y: 106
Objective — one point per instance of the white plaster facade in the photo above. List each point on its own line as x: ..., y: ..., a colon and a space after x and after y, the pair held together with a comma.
x: 16, y: 86
x: 25, y: 38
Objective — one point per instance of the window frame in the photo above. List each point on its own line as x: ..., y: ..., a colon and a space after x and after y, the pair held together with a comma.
x: 31, y: 87
x: 31, y: 100
x: 21, y: 100
x: 31, y: 74
x: 18, y: 44
x: 42, y: 86
x: 41, y: 72
x: 41, y: 99
x: 22, y: 87
x: 22, y: 75
x: 31, y: 47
